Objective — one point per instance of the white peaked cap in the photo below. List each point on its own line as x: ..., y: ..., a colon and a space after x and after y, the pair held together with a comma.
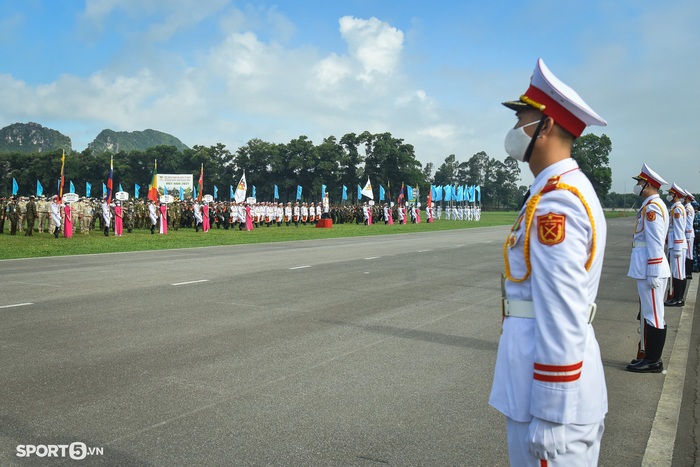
x: 555, y: 99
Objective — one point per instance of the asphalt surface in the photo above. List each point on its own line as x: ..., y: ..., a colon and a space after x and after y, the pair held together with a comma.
x: 362, y: 352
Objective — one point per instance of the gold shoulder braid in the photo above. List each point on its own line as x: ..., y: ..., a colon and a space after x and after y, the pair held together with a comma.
x: 551, y: 185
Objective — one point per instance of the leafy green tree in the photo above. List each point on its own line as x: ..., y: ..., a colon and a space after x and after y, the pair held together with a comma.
x: 592, y: 154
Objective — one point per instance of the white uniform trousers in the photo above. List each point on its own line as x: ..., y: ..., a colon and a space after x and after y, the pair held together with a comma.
x: 677, y: 264
x: 582, y: 441
x: 652, y: 302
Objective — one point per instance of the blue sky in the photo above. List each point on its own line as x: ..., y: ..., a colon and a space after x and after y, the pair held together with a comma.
x: 431, y: 73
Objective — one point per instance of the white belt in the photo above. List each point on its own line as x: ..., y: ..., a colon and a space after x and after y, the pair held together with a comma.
x: 639, y: 244
x: 526, y: 309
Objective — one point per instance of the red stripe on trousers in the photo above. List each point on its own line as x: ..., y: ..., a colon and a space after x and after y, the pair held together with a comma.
x: 653, y: 303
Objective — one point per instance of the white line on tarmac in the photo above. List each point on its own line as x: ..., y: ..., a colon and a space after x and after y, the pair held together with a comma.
x: 423, y: 251
x: 15, y: 305
x: 299, y: 267
x: 374, y: 257
x: 659, y: 450
x: 191, y: 282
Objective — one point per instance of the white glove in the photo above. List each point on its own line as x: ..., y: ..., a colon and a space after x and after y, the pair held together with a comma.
x: 653, y: 282
x: 677, y: 253
x: 546, y: 439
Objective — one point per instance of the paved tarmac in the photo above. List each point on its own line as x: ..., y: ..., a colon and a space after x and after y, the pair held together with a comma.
x: 341, y: 352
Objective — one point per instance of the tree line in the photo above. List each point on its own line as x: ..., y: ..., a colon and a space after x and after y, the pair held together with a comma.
x: 347, y: 161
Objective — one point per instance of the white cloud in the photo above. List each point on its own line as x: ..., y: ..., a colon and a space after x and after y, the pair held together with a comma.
x: 374, y: 43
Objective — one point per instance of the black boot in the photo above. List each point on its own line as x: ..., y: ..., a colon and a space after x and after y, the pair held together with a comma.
x: 55, y: 232
x: 673, y: 298
x: 651, y: 363
x: 152, y: 229
x: 678, y: 293
x: 106, y: 231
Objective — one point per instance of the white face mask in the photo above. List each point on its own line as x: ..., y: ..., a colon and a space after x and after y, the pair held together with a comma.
x: 669, y: 198
x: 637, y: 190
x: 517, y: 141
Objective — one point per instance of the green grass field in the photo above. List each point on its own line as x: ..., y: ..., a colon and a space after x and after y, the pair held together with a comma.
x: 44, y: 244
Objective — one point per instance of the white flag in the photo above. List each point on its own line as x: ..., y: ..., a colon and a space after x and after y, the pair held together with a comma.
x: 367, y: 190
x: 241, y: 190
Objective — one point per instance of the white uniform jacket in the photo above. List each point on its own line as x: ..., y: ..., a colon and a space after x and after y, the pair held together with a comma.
x: 549, y: 366
x: 676, y: 232
x: 689, y: 229
x: 648, y: 258
x: 106, y: 213
x: 55, y: 214
x: 153, y: 213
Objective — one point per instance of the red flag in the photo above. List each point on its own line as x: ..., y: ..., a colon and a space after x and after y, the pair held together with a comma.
x: 153, y: 187
x: 400, y: 199
x: 201, y: 183
x: 110, y: 186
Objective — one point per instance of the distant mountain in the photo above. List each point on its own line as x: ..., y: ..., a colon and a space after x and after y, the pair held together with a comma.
x: 31, y: 138
x: 127, y: 141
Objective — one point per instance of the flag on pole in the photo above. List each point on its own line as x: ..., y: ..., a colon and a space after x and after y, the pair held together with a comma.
x: 104, y: 190
x: 241, y: 190
x: 165, y: 190
x: 438, y: 193
x: 63, y: 165
x: 277, y: 193
x: 367, y: 190
x: 153, y: 187
x: 400, y: 198
x: 429, y: 201
x: 110, y: 180
x: 216, y: 192
x: 71, y: 187
x: 323, y: 190
x: 359, y: 192
x: 15, y: 187
x: 381, y: 193
x: 298, y: 192
x: 345, y: 193
x: 182, y: 194
x: 460, y: 193
x: 137, y: 188
x: 478, y: 191
x: 194, y: 192
x: 409, y: 192
x: 254, y: 191
x: 88, y: 189
x: 201, y: 183
x: 230, y: 192
x: 39, y: 189
x: 120, y: 187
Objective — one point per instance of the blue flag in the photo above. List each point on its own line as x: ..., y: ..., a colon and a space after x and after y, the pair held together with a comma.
x: 39, y: 188
x: 230, y: 191
x: 182, y: 194
x: 15, y: 187
x: 323, y: 191
x: 165, y: 190
x: 216, y: 192
x: 120, y: 187
x: 254, y: 192
x: 381, y: 193
x: 298, y: 192
x: 478, y: 191
x: 345, y: 193
x: 71, y: 186
x: 359, y: 192
x: 136, y: 190
x: 104, y: 189
x: 460, y: 193
x: 438, y: 193
x: 277, y: 193
x: 194, y: 193
x: 88, y: 188
x: 409, y: 192
x: 447, y: 193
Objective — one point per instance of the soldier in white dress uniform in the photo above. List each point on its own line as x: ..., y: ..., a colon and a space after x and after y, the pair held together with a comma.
x: 648, y: 265
x: 677, y: 245
x: 549, y: 380
x: 689, y: 235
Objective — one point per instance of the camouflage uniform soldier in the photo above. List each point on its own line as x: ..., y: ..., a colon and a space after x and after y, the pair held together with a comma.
x: 86, y: 214
x: 41, y: 213
x: 22, y: 204
x: 2, y: 215
x: 31, y: 216
x: 129, y: 217
x: 12, y: 214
